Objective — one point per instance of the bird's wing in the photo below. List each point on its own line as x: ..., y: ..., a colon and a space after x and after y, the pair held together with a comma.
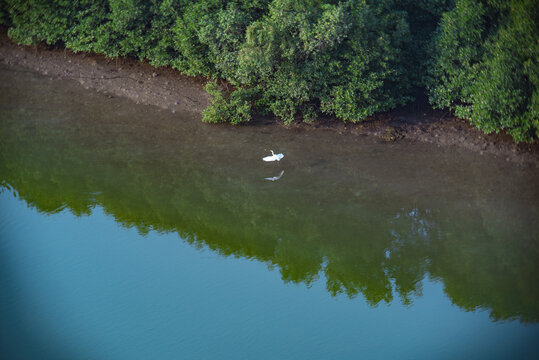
x: 275, y: 177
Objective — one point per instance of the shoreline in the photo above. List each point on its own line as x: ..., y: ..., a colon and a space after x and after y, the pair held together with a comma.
x: 168, y: 89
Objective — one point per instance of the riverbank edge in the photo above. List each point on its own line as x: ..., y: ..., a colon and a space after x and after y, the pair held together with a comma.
x: 168, y: 89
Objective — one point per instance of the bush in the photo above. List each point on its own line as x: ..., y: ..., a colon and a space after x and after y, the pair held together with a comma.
x: 297, y: 57
x: 484, y: 66
x: 235, y: 108
x: 34, y: 21
x: 84, y: 32
x: 308, y: 56
x: 4, y: 16
x: 300, y: 58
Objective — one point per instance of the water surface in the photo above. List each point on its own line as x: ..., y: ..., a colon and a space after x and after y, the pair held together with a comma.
x: 128, y: 232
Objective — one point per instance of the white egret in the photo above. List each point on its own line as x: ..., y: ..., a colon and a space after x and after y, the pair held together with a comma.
x: 275, y: 178
x: 273, y: 157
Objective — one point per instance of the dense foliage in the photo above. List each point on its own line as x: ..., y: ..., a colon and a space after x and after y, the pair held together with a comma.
x: 485, y: 65
x: 302, y: 58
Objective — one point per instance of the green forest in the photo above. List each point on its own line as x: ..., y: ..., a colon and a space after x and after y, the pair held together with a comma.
x: 299, y: 59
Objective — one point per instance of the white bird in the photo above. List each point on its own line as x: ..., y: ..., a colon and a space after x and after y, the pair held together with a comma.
x: 273, y: 157
x: 275, y: 178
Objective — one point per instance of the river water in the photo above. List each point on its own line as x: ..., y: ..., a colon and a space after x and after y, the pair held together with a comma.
x: 129, y: 232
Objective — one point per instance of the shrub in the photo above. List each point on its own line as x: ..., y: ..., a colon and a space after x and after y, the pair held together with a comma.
x: 34, y: 21
x: 234, y: 108
x: 341, y: 59
x: 484, y: 66
x: 299, y: 58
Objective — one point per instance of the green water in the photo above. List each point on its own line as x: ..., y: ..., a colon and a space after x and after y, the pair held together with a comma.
x: 129, y: 232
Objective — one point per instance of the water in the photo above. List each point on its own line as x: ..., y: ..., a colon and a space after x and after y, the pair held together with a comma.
x: 132, y: 233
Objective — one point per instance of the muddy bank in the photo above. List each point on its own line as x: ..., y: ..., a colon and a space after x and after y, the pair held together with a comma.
x: 128, y: 78
x: 168, y: 89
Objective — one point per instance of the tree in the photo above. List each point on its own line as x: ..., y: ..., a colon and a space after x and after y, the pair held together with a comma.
x: 484, y: 66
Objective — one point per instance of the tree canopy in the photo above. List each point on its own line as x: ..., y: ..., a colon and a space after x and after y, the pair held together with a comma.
x: 484, y: 65
x: 298, y: 59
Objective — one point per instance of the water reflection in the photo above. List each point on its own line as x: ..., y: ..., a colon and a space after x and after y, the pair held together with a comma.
x: 275, y: 178
x: 377, y: 231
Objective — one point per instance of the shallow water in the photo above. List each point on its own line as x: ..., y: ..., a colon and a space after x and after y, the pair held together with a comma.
x: 128, y: 232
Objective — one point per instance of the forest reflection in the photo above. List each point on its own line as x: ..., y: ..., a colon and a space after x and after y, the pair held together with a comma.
x: 369, y: 220
x: 361, y: 237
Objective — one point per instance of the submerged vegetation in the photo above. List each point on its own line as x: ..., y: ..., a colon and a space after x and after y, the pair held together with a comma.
x: 298, y: 59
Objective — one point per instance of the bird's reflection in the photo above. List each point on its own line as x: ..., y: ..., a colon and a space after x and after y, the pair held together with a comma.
x: 275, y: 178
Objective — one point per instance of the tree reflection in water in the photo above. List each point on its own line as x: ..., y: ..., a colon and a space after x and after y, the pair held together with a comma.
x: 370, y: 234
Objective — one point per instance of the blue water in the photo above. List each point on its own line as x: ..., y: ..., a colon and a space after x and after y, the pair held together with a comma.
x: 135, y: 237
x: 87, y: 288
